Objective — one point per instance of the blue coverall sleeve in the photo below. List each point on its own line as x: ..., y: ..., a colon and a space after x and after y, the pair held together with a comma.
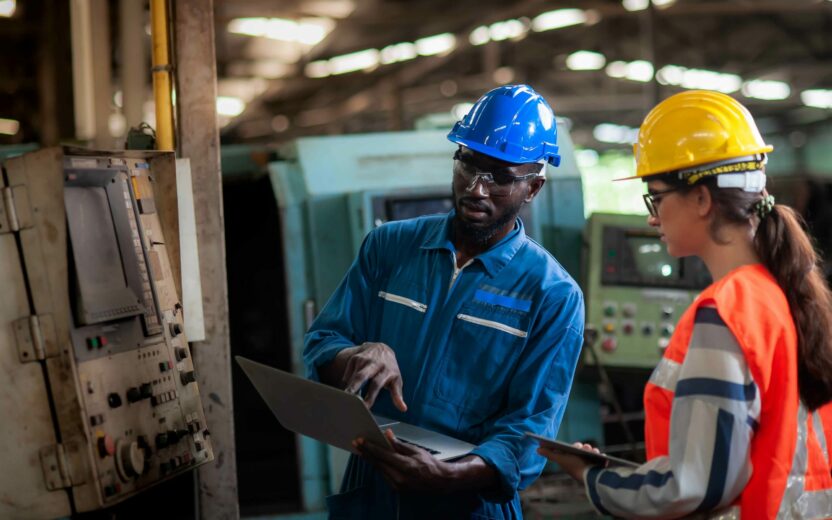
x: 343, y: 321
x: 537, y: 396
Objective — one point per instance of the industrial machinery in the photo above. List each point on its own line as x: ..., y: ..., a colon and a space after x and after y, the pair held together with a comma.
x: 99, y: 399
x: 635, y: 291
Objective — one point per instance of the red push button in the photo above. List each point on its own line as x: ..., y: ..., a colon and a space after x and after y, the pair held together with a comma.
x: 106, y: 446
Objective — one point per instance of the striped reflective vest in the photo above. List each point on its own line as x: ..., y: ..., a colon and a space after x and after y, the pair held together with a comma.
x: 789, y: 451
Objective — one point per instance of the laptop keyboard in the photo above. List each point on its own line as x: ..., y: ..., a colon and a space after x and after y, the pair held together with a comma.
x: 432, y: 452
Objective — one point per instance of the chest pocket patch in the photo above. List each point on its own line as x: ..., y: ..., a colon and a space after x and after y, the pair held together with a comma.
x: 486, y: 342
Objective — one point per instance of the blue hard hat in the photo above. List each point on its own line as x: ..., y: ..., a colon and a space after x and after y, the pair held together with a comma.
x: 511, y: 123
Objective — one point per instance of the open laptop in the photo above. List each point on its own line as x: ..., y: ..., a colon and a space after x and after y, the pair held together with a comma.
x: 337, y: 417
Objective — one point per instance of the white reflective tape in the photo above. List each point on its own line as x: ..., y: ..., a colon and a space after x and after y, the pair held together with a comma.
x: 492, y: 324
x: 666, y: 374
x: 821, y: 436
x: 795, y: 480
x: 814, y: 505
x: 413, y: 304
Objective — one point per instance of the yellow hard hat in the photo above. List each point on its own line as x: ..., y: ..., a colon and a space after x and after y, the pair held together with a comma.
x: 694, y: 128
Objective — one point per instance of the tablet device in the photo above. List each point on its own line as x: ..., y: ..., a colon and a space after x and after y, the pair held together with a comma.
x: 589, y: 456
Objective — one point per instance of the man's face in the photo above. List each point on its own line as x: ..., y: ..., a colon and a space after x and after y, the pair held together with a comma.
x: 484, y: 208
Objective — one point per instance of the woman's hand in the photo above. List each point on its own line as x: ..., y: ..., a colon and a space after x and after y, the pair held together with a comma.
x: 571, y: 464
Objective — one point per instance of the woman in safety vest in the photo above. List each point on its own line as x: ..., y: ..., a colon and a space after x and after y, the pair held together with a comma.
x: 733, y: 418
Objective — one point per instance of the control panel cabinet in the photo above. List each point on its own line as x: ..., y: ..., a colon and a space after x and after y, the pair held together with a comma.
x: 98, y: 390
x: 635, y: 291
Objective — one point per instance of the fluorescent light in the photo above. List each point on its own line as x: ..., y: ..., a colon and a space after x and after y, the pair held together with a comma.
x: 480, y: 36
x: 230, y: 106
x: 9, y: 126
x: 398, y: 52
x: 317, y: 69
x: 7, y: 9
x: 617, y: 134
x: 635, y: 5
x: 354, y: 61
x: 329, y: 8
x: 309, y: 31
x: 817, y: 98
x: 641, y: 5
x: 509, y: 29
x: 438, y: 44
x: 698, y: 79
x: 766, y: 89
x: 461, y: 110
x: 558, y: 19
x: 661, y: 4
x: 638, y: 70
x: 586, y: 60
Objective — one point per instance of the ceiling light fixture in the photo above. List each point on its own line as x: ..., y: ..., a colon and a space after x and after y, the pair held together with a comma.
x: 361, y: 60
x: 558, y: 19
x: 308, y: 31
x: 638, y: 70
x: 7, y: 8
x: 230, y: 106
x: 635, y: 5
x: 438, y: 44
x: 817, y: 98
x: 398, y: 52
x: 698, y: 79
x: 585, y: 60
x: 9, y: 126
x: 768, y: 90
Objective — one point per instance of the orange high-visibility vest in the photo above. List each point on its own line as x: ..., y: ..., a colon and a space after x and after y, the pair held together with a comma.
x: 789, y: 441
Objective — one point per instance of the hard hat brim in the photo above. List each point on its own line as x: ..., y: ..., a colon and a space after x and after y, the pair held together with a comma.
x: 764, y: 150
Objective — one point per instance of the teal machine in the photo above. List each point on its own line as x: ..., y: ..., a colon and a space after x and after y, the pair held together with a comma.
x: 331, y: 191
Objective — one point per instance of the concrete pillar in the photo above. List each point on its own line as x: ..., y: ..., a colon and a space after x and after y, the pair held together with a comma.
x: 198, y: 139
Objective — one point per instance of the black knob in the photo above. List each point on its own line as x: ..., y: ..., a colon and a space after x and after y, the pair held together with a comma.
x: 114, y: 400
x: 146, y: 390
x: 175, y: 329
x: 180, y: 353
x: 133, y: 394
x: 188, y: 377
x: 173, y: 437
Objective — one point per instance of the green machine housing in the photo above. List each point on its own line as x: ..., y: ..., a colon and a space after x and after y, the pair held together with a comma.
x: 635, y: 291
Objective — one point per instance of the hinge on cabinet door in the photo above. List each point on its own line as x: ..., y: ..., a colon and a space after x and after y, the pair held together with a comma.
x: 15, y: 211
x: 36, y: 338
x: 63, y: 465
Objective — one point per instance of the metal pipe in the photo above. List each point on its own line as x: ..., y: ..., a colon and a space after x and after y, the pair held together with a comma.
x: 161, y: 74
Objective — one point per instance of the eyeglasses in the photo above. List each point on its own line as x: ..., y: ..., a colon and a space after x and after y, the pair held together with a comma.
x: 499, y: 181
x: 652, y: 200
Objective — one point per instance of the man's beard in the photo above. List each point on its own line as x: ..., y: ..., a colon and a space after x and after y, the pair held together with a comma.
x: 481, y: 234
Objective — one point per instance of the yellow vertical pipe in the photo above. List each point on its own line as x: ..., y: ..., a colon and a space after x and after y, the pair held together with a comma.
x: 161, y: 74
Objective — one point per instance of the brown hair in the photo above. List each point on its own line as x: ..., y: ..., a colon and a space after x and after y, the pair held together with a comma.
x: 786, y: 250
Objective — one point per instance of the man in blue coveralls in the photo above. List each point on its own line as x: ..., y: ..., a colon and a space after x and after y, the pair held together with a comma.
x: 472, y: 328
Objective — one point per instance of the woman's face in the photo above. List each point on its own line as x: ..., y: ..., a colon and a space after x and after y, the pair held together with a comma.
x: 677, y: 219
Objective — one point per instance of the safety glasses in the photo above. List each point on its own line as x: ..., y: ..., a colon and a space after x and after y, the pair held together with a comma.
x: 652, y: 200
x: 499, y: 182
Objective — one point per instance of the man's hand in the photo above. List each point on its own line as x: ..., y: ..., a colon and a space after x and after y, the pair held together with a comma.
x: 375, y: 364
x: 406, y: 467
